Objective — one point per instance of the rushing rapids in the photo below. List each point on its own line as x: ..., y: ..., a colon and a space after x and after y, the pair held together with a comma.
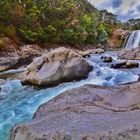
x: 133, y: 40
x: 18, y: 103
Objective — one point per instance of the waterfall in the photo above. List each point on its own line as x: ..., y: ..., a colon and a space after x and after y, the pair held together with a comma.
x: 134, y: 40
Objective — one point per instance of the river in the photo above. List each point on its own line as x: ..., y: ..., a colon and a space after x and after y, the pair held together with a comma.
x: 18, y: 103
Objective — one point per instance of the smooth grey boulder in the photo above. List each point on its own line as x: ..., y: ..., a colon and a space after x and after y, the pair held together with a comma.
x: 57, y: 66
x: 86, y: 113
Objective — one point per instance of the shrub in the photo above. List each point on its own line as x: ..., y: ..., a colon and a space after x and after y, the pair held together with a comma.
x: 92, y: 37
x: 102, y: 34
x: 28, y: 35
x: 10, y: 32
x: 1, y: 44
x: 70, y: 36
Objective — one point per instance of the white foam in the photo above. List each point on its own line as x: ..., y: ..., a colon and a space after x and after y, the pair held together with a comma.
x: 134, y: 40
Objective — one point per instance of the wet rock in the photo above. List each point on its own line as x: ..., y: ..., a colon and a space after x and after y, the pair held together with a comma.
x: 118, y: 64
x: 86, y: 56
x: 98, y: 51
x: 2, y: 82
x: 125, y: 64
x: 100, y: 46
x: 86, y: 113
x: 132, y: 54
x: 139, y: 78
x: 87, y: 53
x: 58, y: 66
x: 13, y: 74
x: 8, y: 63
x: 132, y: 64
x: 107, y: 59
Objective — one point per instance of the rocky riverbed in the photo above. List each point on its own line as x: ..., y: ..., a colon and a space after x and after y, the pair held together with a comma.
x: 102, y: 99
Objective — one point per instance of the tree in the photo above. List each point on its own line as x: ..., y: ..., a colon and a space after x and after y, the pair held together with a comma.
x: 55, y: 21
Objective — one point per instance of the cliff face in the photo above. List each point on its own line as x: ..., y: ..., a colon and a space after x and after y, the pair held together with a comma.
x: 88, y: 112
x: 118, y: 38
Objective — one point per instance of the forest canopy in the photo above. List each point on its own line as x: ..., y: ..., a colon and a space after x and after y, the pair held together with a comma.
x: 55, y: 21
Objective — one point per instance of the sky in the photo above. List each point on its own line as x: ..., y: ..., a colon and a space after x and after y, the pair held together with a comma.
x: 125, y: 9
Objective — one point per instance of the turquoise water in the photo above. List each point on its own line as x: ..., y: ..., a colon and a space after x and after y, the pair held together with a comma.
x: 18, y: 103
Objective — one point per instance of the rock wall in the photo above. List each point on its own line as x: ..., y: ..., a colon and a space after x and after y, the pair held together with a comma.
x: 118, y: 38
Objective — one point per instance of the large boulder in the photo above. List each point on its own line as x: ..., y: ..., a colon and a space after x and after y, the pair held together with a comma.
x: 86, y: 113
x: 8, y: 63
x: 57, y: 66
x: 13, y: 56
x: 107, y: 59
x: 29, y: 52
x: 132, y: 54
x: 9, y: 54
x: 2, y: 82
x: 118, y: 38
x: 13, y: 74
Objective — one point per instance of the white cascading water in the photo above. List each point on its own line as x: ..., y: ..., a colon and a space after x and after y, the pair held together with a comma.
x: 134, y: 40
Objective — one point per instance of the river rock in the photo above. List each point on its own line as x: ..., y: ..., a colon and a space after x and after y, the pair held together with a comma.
x: 9, y: 54
x: 107, y: 59
x: 13, y: 56
x: 88, y: 52
x: 86, y: 113
x: 58, y: 66
x: 13, y: 74
x: 2, y: 81
x: 29, y: 52
x: 132, y: 54
x: 125, y: 64
x: 8, y: 63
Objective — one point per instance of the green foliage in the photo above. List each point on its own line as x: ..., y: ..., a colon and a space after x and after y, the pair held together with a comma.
x: 132, y: 24
x: 70, y: 36
x: 102, y: 34
x: 10, y: 31
x: 1, y: 44
x: 55, y: 21
x: 29, y: 36
x: 92, y: 36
